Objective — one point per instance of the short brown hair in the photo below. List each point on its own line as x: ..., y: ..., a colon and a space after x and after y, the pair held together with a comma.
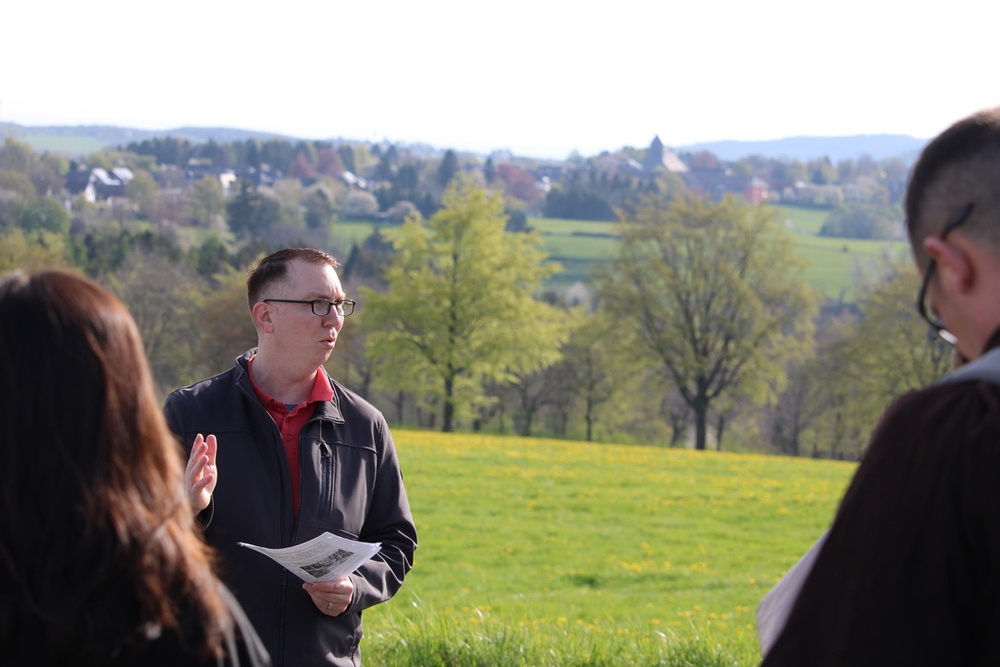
x: 958, y: 167
x: 273, y: 269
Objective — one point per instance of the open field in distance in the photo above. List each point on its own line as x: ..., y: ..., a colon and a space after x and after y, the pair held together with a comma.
x: 579, y: 245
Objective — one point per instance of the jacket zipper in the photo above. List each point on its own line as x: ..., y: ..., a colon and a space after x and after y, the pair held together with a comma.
x: 326, y: 463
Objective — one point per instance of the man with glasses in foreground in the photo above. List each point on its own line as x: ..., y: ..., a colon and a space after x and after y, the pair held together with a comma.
x: 280, y: 453
x: 909, y: 573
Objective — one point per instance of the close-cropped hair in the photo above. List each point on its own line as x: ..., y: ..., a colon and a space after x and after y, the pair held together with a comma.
x: 96, y: 534
x: 960, y: 166
x: 271, y: 270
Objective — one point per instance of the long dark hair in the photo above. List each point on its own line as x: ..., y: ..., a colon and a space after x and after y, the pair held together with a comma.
x: 97, y: 546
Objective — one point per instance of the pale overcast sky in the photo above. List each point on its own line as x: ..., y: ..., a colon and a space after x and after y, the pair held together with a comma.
x: 541, y: 78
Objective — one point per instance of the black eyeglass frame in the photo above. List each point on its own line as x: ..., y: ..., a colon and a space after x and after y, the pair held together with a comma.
x: 938, y: 326
x: 345, y: 307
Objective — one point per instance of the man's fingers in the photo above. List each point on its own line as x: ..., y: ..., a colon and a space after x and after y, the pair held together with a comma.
x: 211, y: 448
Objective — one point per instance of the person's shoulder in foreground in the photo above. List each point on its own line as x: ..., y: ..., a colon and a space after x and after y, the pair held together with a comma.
x: 101, y: 561
x: 909, y: 573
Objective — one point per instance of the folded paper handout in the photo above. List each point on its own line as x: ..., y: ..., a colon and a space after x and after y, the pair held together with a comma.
x: 324, y: 558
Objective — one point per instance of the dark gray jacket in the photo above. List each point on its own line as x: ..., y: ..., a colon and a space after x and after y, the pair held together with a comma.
x: 351, y: 485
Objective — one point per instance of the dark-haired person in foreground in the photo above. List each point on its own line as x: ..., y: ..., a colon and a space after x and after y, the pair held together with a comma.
x: 281, y: 453
x: 909, y: 573
x: 100, y: 563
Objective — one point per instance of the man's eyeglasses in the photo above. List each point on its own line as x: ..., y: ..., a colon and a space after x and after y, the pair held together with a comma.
x: 937, y: 326
x: 321, y: 307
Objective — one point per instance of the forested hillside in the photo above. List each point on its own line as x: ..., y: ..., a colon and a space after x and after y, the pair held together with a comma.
x: 171, y: 223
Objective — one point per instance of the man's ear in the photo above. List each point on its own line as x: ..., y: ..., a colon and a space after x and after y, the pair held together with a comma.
x: 261, y: 314
x: 954, y: 263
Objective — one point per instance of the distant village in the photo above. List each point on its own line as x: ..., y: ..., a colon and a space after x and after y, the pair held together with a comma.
x: 535, y: 187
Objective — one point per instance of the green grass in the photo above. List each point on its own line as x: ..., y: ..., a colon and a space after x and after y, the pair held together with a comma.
x: 834, y: 264
x: 348, y: 232
x: 801, y: 220
x: 550, y: 552
x: 72, y: 145
x: 577, y: 246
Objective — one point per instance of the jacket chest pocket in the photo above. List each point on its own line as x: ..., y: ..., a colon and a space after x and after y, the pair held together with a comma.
x: 318, y: 490
x: 337, y: 484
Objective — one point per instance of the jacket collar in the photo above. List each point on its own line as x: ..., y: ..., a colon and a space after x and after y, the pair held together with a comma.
x: 329, y: 411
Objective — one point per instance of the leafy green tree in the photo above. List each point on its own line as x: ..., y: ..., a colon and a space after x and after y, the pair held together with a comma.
x: 821, y: 171
x: 882, y: 352
x: 142, y: 191
x: 44, y: 173
x: 17, y: 183
x: 895, y: 174
x: 594, y: 371
x: 250, y: 212
x: 346, y: 153
x: 359, y: 204
x: 459, y: 307
x: 448, y: 168
x: 166, y: 150
x: 207, y: 201
x: 407, y: 178
x: 39, y: 214
x: 211, y: 257
x: 385, y: 170
x: 17, y: 155
x: 578, y: 201
x: 789, y: 424
x: 713, y: 294
x: 48, y: 176
x: 319, y: 207
x: 161, y: 293
x: 858, y: 220
x: 32, y: 250
x: 224, y: 328
x: 278, y: 154
x: 289, y: 194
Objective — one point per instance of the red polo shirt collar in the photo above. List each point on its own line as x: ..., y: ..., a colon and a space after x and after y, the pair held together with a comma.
x: 291, y: 419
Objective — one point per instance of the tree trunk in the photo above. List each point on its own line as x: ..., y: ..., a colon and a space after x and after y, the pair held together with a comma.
x: 400, y: 403
x: 700, y: 425
x: 720, y: 426
x: 448, y: 413
x: 589, y: 417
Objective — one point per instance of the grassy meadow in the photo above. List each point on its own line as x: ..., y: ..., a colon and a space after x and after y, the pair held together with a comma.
x: 545, y: 552
x: 834, y: 264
